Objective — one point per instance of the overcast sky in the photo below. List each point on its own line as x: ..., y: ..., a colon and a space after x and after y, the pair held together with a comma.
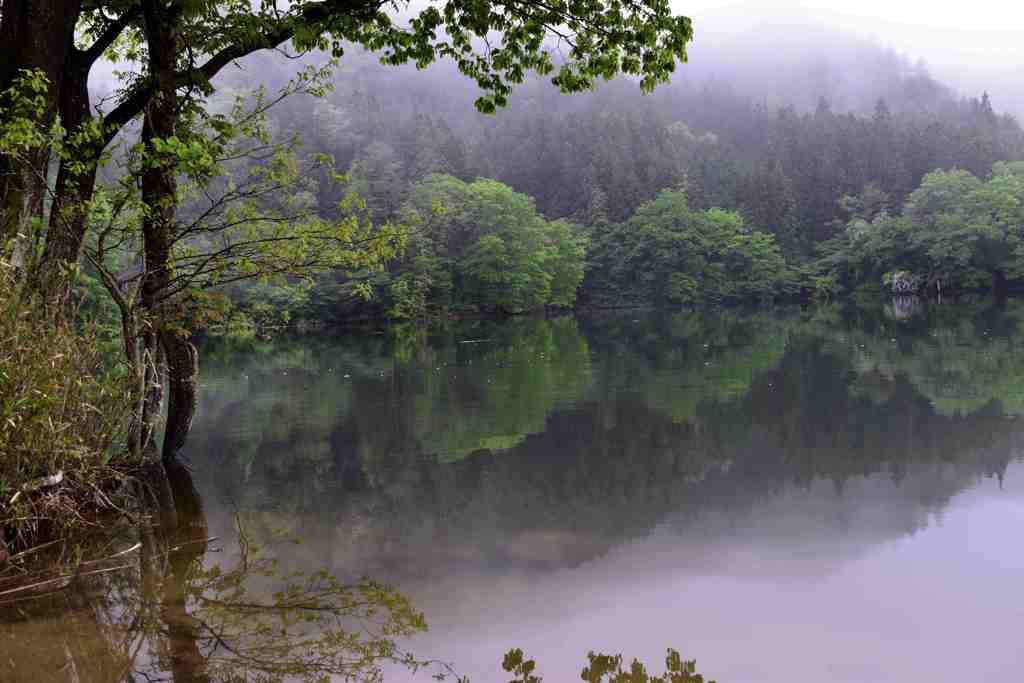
x: 969, y: 45
x: 978, y: 30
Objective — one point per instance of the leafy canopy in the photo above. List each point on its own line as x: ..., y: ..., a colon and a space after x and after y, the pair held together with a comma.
x: 669, y: 253
x: 496, y: 43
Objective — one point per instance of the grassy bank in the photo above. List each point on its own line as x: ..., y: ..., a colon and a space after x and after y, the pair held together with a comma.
x: 63, y: 411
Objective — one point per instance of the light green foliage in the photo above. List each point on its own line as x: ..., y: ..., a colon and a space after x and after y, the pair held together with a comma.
x: 566, y: 260
x: 22, y: 105
x: 608, y: 668
x: 954, y: 229
x: 27, y: 137
x: 496, y: 44
x: 669, y: 253
x: 604, y: 38
x: 863, y: 253
x: 248, y: 213
x: 482, y: 246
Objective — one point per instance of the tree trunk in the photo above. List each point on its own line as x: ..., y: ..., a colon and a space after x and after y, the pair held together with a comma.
x: 34, y: 34
x: 1000, y: 288
x: 75, y: 186
x: 182, y: 391
x: 159, y: 194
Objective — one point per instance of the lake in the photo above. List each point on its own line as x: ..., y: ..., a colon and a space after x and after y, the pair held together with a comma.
x: 786, y: 496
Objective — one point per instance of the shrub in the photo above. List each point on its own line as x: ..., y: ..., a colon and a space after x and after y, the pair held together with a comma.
x: 64, y: 407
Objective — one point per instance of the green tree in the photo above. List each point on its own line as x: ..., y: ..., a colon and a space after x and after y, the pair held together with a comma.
x: 669, y: 253
x: 179, y: 47
x: 491, y: 244
x: 969, y: 230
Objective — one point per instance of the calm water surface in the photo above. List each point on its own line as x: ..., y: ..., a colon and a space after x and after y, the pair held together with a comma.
x: 786, y: 497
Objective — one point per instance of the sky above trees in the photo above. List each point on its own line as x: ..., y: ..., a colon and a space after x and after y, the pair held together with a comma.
x: 971, y: 49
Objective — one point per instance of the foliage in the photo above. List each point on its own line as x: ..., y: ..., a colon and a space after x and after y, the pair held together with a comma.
x: 23, y: 104
x: 609, y: 668
x: 482, y: 246
x: 599, y: 156
x: 248, y: 219
x: 668, y: 253
x: 954, y: 231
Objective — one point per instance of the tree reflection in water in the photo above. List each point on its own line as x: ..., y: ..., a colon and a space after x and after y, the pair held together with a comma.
x: 186, y: 612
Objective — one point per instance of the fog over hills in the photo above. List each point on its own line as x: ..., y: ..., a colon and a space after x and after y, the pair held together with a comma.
x: 970, y: 52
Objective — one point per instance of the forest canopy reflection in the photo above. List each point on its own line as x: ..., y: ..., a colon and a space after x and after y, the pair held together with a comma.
x: 406, y: 455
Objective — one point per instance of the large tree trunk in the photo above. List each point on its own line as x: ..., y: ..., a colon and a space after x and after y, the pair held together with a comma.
x: 75, y: 186
x: 37, y: 35
x: 159, y: 193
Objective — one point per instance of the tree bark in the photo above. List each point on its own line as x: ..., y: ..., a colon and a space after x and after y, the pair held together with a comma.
x: 159, y: 193
x: 182, y: 391
x: 159, y: 189
x: 34, y: 34
x: 75, y: 186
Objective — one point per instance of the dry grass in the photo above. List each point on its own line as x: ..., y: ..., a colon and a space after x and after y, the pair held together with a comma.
x: 64, y: 407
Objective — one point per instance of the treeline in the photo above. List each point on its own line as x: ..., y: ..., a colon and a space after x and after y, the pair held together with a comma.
x: 696, y: 194
x: 602, y: 154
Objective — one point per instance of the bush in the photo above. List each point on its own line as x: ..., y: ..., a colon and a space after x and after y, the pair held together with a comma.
x: 64, y: 408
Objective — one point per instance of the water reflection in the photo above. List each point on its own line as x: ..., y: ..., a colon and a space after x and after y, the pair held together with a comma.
x: 170, y: 608
x: 545, y: 443
x: 732, y: 485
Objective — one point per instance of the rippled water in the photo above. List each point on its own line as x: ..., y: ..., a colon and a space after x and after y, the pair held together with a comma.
x: 787, y: 496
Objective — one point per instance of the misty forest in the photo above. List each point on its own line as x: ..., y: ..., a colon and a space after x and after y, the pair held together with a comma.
x: 471, y: 340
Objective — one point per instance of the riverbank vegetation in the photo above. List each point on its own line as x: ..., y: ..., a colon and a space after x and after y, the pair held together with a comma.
x: 63, y: 413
